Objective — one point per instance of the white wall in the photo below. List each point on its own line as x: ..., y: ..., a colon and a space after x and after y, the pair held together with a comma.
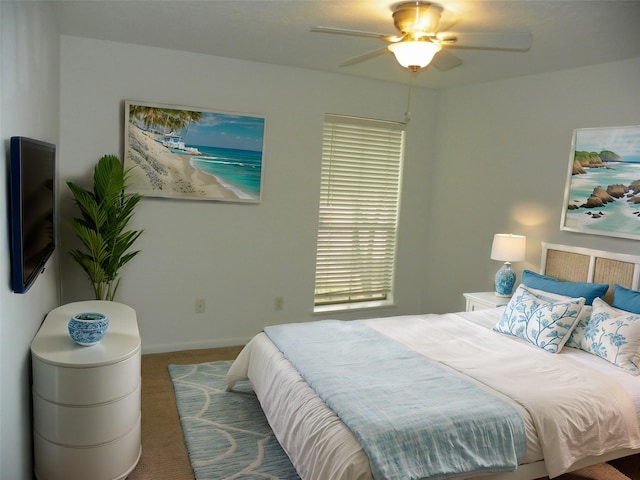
x: 29, y: 86
x: 500, y: 166
x: 237, y: 257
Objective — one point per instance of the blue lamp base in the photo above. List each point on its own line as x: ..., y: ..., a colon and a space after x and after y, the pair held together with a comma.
x: 505, y: 280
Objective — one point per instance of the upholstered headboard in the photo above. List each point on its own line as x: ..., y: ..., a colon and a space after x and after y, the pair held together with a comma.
x: 577, y: 264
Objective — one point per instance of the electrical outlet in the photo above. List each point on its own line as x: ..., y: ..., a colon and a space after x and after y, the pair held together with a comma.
x: 199, y: 305
x: 278, y: 303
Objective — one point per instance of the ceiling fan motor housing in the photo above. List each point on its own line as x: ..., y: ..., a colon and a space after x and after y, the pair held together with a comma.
x: 417, y: 19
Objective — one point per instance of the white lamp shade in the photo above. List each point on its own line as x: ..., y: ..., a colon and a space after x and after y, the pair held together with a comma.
x: 412, y: 54
x: 509, y: 248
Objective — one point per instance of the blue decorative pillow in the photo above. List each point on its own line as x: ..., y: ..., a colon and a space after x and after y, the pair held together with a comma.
x: 626, y: 299
x: 572, y: 289
x: 546, y: 324
x: 612, y: 334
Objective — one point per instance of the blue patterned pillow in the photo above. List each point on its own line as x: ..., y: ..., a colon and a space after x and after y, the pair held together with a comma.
x: 583, y: 316
x: 546, y: 324
x: 578, y: 331
x: 612, y: 334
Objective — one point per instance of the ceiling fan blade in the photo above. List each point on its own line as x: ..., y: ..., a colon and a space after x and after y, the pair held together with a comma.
x: 445, y: 60
x: 353, y: 33
x: 364, y: 57
x: 487, y: 40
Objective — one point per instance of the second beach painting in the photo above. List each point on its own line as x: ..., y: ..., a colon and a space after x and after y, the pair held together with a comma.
x: 602, y: 195
x: 193, y: 153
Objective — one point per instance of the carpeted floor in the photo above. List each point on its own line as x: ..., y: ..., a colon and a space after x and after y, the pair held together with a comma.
x: 165, y: 457
x: 164, y: 454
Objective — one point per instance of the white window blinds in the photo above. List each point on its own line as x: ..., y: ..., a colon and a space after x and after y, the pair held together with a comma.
x: 359, y: 205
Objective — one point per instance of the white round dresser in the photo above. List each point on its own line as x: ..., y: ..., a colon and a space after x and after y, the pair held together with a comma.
x: 86, y: 400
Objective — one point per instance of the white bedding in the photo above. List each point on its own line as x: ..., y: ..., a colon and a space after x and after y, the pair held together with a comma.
x: 630, y: 383
x: 321, y: 447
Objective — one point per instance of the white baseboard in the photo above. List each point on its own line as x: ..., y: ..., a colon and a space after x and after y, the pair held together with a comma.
x: 196, y: 345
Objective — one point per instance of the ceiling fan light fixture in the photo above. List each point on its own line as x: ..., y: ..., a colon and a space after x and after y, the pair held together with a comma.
x: 414, y: 55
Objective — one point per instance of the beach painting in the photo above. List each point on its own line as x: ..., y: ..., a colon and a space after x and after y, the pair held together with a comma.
x: 602, y: 194
x: 193, y: 153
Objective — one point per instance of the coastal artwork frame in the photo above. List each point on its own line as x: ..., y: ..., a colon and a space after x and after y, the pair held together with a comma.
x: 193, y: 153
x: 602, y: 192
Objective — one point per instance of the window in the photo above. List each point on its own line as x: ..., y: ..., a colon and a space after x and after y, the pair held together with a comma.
x: 359, y: 206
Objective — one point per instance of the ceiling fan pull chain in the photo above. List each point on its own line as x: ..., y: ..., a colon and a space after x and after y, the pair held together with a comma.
x: 407, y: 114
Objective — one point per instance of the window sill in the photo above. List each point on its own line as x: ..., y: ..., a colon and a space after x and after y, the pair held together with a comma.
x: 352, y: 307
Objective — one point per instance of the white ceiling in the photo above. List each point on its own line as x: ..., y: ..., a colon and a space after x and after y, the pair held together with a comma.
x: 566, y: 33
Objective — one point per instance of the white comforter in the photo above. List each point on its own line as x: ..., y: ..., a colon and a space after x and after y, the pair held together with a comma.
x: 570, y: 411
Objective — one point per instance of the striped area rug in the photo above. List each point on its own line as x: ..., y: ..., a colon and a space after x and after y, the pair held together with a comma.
x: 226, y: 433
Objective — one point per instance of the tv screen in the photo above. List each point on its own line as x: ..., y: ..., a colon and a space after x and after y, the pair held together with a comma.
x: 32, y: 209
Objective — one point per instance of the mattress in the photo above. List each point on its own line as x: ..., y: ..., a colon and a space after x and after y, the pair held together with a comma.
x: 322, y: 447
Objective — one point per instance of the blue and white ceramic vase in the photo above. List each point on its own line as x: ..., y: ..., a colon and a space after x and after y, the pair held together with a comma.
x: 505, y: 280
x: 88, y: 328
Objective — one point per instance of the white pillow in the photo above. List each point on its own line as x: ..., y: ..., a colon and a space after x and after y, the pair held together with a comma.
x: 612, y: 334
x: 540, y: 320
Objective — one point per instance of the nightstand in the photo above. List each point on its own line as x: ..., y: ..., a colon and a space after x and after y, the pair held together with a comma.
x: 483, y: 300
x: 86, y: 400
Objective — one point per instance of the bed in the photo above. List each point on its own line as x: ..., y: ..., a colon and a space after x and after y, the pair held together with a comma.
x: 540, y: 415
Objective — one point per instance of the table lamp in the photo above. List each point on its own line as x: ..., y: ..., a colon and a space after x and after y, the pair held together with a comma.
x: 507, y: 248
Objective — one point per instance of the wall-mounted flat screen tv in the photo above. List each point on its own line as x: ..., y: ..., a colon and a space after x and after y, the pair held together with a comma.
x: 32, y: 209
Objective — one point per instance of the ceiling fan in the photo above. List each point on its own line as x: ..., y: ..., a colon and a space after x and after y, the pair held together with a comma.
x: 420, y: 41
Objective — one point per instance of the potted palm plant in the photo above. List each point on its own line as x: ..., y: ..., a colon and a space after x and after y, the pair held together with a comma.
x: 105, y: 214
